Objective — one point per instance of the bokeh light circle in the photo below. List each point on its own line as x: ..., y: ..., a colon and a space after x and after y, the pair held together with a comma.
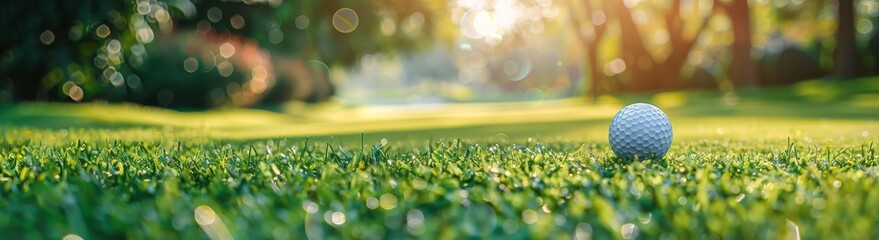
x: 102, y: 31
x: 301, y: 22
x: 534, y: 97
x: 47, y: 37
x: 190, y: 65
x: 345, y: 20
x: 237, y: 21
x: 319, y: 66
x: 476, y: 24
x: 75, y: 93
x: 516, y: 66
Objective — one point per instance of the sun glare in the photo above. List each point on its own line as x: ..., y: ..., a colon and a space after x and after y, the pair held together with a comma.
x: 491, y: 20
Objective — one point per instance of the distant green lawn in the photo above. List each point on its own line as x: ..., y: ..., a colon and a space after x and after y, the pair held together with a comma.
x: 771, y: 163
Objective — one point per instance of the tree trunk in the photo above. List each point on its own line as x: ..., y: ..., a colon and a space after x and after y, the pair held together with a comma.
x: 594, y: 70
x: 647, y: 73
x: 740, y: 70
x: 590, y: 44
x: 846, y: 61
x: 633, y: 51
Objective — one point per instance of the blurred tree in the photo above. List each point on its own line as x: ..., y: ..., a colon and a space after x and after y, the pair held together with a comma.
x: 305, y: 41
x: 740, y: 70
x: 640, y: 64
x: 149, y: 50
x: 647, y: 72
x: 306, y: 28
x: 590, y: 33
x: 47, y: 43
x: 846, y: 60
x: 790, y: 38
x: 645, y: 69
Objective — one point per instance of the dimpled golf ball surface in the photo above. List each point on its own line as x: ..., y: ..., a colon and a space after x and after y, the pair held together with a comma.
x: 640, y: 131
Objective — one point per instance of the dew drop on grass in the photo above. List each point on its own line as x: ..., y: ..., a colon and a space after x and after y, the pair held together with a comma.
x: 629, y: 231
x: 372, y: 203
x: 338, y: 218
x: 463, y: 194
x: 310, y: 207
x: 529, y: 216
x: 546, y: 209
x: 793, y: 230
x: 645, y: 218
x: 415, y: 222
x: 799, y: 200
x: 204, y: 215
x: 180, y: 222
x: 269, y: 151
x: 819, y: 203
x: 313, y: 228
x: 392, y: 182
x: 583, y: 231
x: 281, y: 232
x: 419, y: 184
x: 479, y: 219
x: 388, y: 201
x: 510, y: 226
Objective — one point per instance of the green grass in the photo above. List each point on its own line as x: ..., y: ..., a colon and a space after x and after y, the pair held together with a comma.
x: 763, y: 164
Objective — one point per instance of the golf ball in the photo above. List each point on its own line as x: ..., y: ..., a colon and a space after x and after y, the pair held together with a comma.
x: 640, y: 131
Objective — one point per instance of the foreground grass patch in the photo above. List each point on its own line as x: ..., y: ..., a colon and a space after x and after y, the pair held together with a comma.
x: 447, y: 189
x: 754, y: 165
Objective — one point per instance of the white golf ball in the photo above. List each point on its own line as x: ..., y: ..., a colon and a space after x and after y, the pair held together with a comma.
x: 640, y: 131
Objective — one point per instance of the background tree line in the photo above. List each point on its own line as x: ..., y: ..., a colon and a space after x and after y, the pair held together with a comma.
x: 252, y: 52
